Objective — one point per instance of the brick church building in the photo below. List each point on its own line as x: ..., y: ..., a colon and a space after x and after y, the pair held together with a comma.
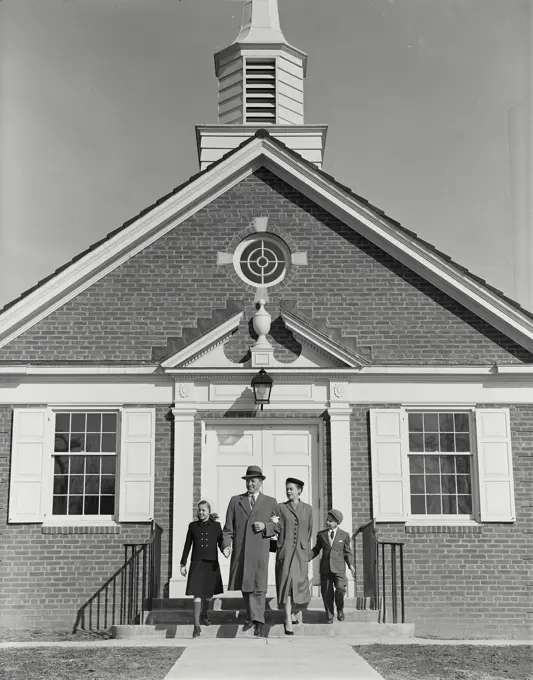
x: 402, y: 384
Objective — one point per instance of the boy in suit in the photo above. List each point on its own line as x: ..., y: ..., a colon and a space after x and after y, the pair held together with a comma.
x: 336, y: 554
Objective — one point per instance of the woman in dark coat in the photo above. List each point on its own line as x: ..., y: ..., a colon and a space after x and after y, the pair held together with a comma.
x: 204, y: 536
x: 293, y: 552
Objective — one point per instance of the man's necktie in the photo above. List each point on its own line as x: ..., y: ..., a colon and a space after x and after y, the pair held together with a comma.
x: 252, y: 501
x: 331, y: 536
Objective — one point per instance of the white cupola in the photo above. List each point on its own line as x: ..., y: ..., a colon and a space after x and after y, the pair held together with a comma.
x: 260, y: 85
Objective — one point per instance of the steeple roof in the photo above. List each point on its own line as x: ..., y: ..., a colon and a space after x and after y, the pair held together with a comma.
x: 260, y: 23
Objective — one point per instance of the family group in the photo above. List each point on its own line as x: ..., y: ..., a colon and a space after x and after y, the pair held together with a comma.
x: 255, y: 525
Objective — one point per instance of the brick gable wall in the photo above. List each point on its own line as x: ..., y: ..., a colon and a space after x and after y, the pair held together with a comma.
x: 351, y: 284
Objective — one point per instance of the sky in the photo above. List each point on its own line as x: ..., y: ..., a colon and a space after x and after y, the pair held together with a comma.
x: 426, y: 101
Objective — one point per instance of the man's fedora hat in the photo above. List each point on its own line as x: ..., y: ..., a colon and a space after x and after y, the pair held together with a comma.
x: 254, y: 471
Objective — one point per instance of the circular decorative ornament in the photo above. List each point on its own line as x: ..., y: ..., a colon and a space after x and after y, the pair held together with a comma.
x: 261, y: 260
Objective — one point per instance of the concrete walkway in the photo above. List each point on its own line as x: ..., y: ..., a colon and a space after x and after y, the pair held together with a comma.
x: 266, y: 659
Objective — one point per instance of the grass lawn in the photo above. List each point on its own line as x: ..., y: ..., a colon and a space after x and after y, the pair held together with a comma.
x: 113, y: 663
x: 443, y: 662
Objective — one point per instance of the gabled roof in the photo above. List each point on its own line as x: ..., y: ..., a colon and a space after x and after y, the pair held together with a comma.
x: 263, y: 150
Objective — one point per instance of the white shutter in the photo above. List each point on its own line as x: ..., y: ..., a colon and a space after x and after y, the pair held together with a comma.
x: 495, y: 465
x: 390, y: 476
x: 29, y: 465
x: 136, y: 469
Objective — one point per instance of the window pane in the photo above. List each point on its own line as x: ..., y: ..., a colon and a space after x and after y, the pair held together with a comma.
x: 78, y: 422
x: 76, y: 465
x: 463, y: 464
x: 61, y: 442
x: 93, y: 442
x: 416, y: 442
x: 448, y: 484
x: 108, y: 464
x: 449, y: 505
x: 107, y: 505
x: 446, y: 422
x: 447, y: 442
x: 61, y: 484
x: 418, y: 505
x: 94, y: 422
x: 464, y: 505
x: 415, y: 422
x: 462, y: 422
x: 434, y: 505
x: 92, y: 465
x: 91, y: 505
x: 463, y: 484
x: 431, y: 442
x: 76, y: 484
x: 75, y: 505
x: 417, y: 484
x: 447, y: 465
x: 431, y: 422
x: 62, y: 422
x: 61, y: 465
x: 416, y: 464
x: 92, y: 484
x: 462, y: 442
x: 432, y: 464
x: 433, y: 484
x: 59, y: 506
x: 109, y: 422
x: 108, y: 484
x: 77, y: 441
x: 109, y: 443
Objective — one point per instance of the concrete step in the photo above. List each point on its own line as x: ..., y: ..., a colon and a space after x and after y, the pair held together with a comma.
x: 346, y: 629
x: 236, y: 616
x: 226, y: 603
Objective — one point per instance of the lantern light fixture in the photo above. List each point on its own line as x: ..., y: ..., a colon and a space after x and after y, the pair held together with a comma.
x: 262, y: 387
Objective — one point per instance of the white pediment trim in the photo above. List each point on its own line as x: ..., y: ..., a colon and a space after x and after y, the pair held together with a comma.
x: 217, y: 179
x: 213, y: 338
x: 306, y: 334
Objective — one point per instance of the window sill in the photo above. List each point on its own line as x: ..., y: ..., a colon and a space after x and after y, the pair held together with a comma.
x: 59, y: 527
x: 443, y: 528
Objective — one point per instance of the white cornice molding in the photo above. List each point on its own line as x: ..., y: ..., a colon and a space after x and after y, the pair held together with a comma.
x: 407, y: 249
x: 10, y: 371
x: 204, y: 343
x: 208, y: 186
x: 99, y: 262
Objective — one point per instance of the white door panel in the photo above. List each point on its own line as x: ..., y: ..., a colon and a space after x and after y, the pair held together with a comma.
x: 281, y: 451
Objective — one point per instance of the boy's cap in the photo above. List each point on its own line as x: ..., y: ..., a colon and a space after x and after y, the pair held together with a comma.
x: 336, y: 514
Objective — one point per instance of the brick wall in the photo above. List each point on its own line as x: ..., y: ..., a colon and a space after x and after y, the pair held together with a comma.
x: 349, y: 283
x: 46, y: 577
x: 466, y: 582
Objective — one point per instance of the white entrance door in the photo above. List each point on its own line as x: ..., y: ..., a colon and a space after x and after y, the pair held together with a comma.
x: 280, y: 450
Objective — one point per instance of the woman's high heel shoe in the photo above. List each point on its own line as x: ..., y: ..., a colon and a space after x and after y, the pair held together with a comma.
x: 196, y: 631
x: 287, y: 632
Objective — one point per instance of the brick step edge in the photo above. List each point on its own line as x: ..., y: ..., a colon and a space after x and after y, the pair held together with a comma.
x: 344, y: 629
x: 237, y: 604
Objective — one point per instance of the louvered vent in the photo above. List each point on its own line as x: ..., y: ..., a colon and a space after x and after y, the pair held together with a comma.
x: 260, y: 101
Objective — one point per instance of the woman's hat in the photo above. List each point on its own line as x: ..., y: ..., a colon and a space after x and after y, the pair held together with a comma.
x: 337, y: 515
x: 293, y: 480
x: 254, y: 471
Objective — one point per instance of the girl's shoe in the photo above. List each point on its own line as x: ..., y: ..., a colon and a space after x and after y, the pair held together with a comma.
x: 287, y: 632
x: 196, y: 631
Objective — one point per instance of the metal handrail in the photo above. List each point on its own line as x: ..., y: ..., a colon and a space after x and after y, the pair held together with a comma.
x: 127, y: 600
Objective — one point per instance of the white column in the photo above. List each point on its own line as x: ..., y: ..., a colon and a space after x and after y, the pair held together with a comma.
x: 341, y: 464
x: 182, y: 491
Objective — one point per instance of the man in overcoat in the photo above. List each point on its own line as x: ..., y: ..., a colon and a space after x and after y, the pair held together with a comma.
x: 249, y: 526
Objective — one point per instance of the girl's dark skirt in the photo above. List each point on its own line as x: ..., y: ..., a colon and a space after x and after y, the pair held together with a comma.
x: 204, y: 579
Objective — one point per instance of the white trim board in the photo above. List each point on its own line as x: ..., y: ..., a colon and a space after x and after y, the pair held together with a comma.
x: 446, y: 276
